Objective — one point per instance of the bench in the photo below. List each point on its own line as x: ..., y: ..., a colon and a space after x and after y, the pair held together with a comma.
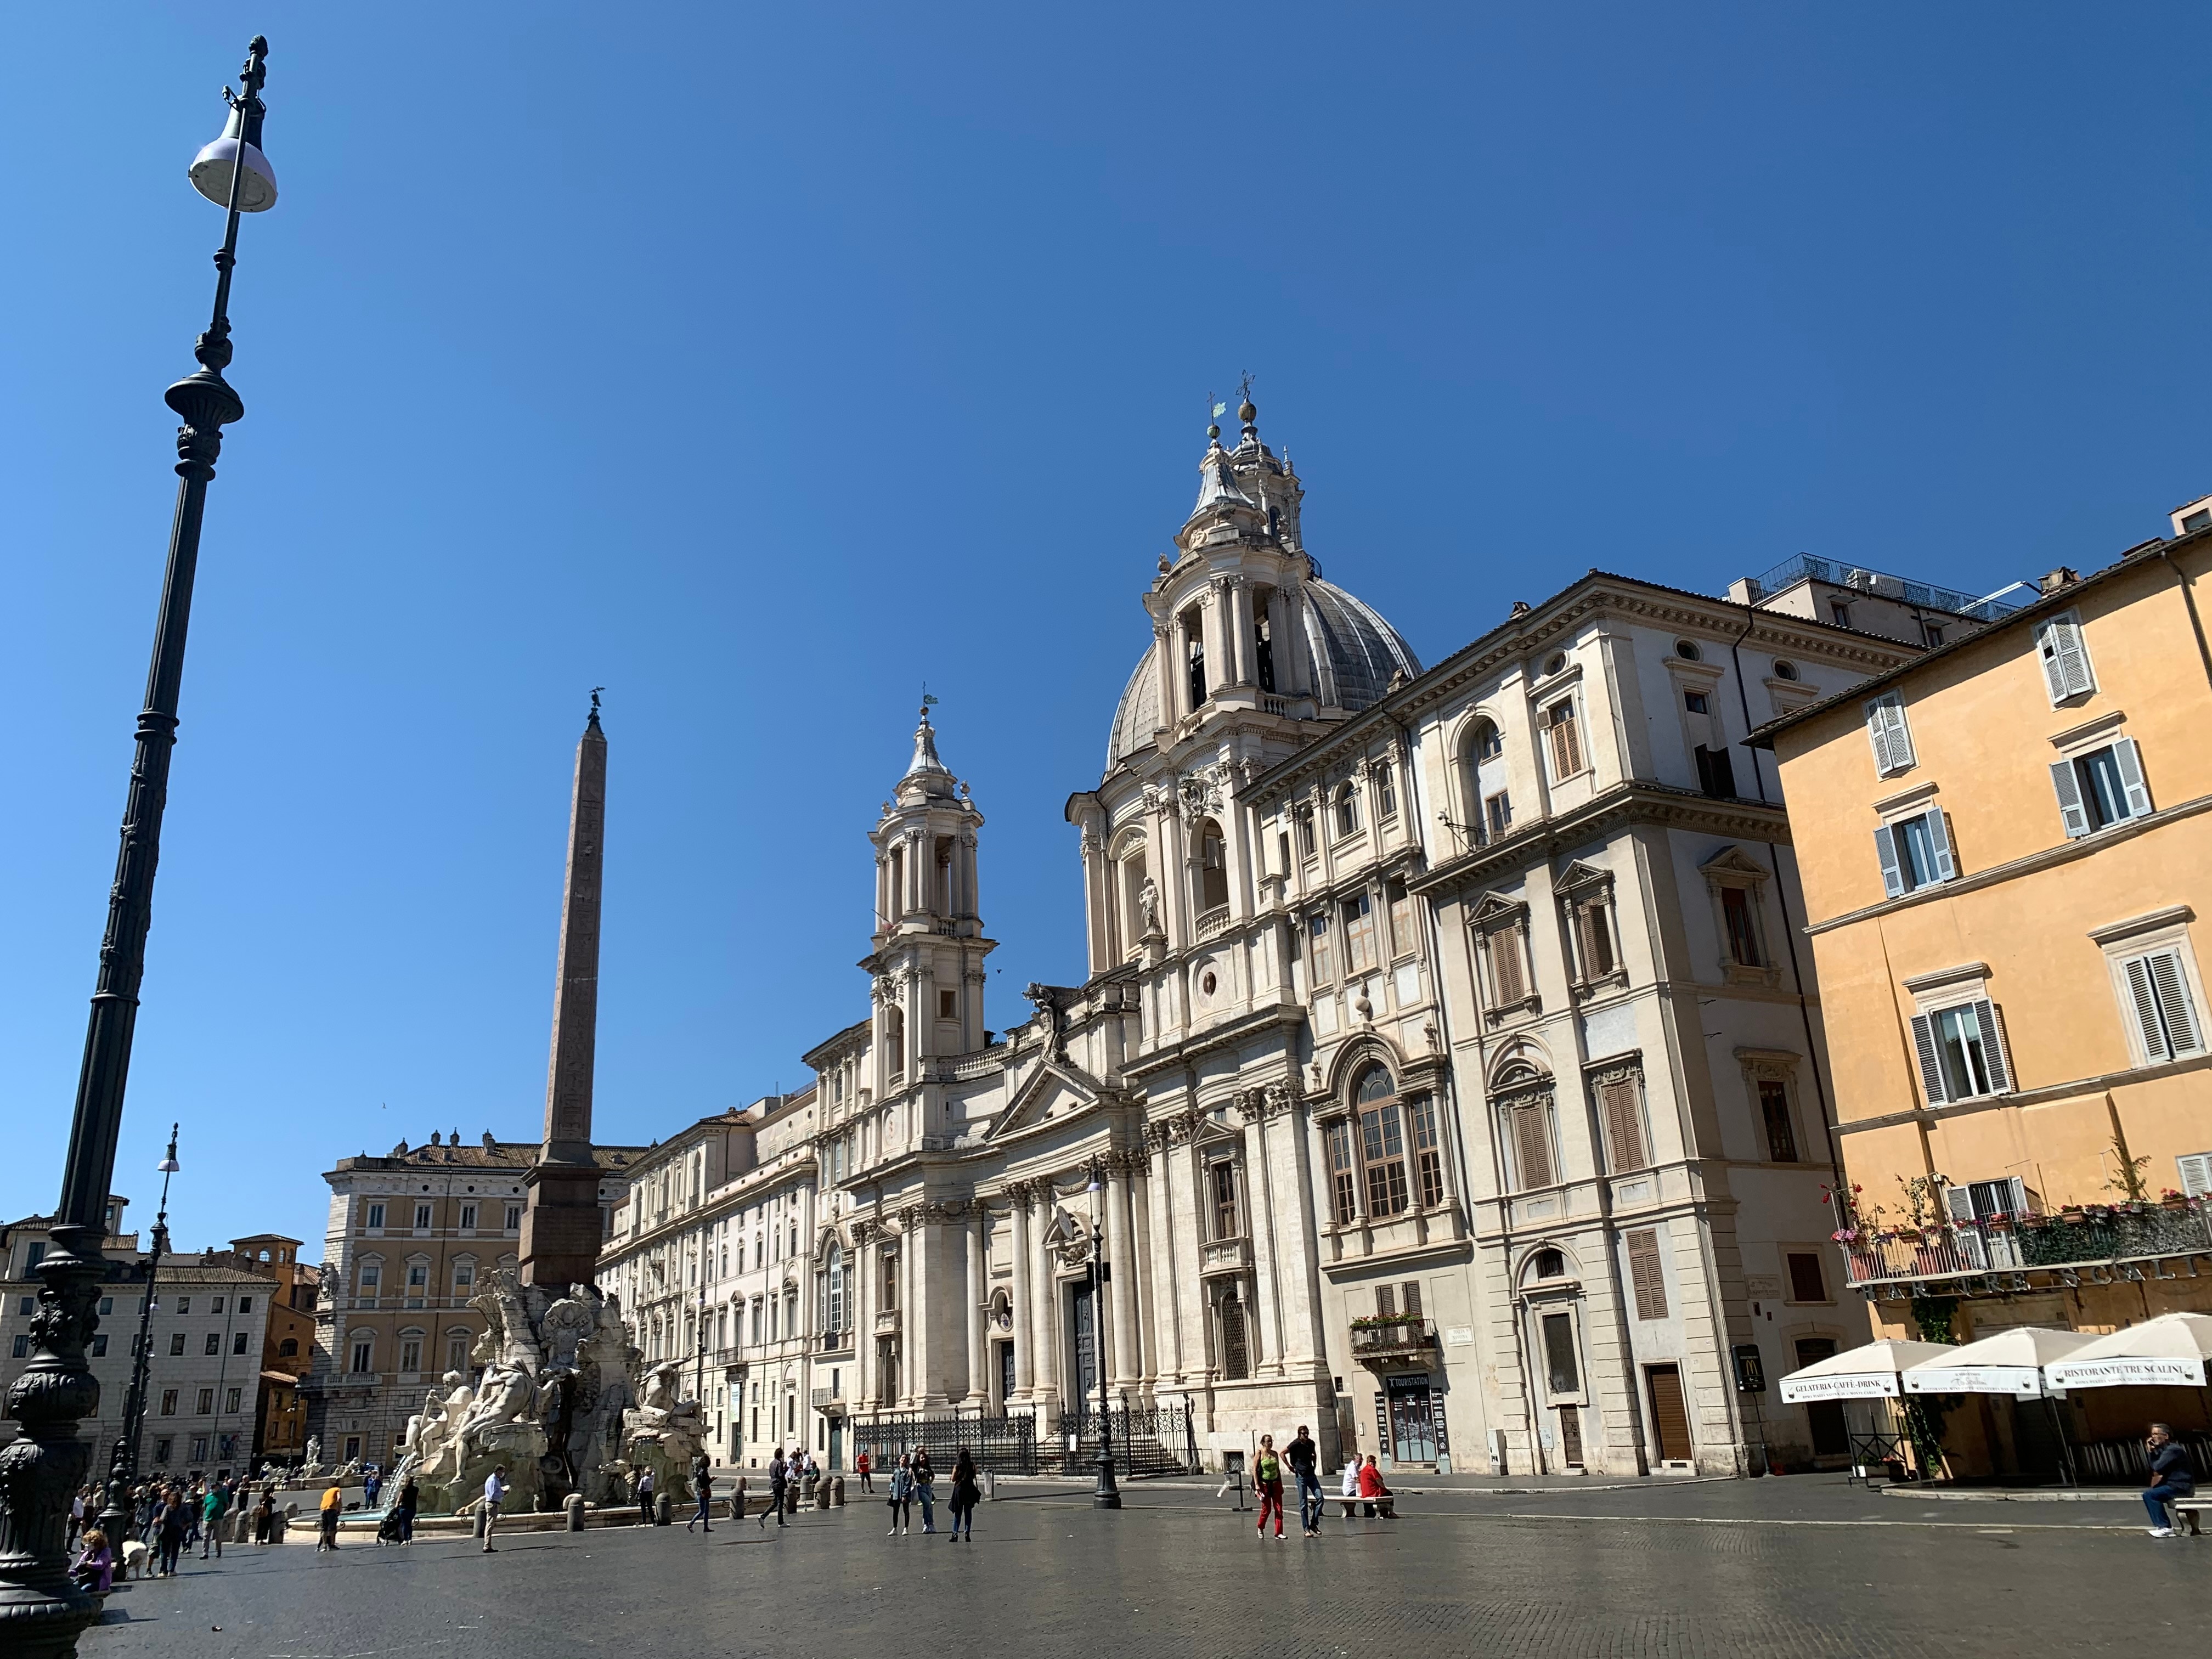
x: 1386, y: 1505
x: 2185, y: 1509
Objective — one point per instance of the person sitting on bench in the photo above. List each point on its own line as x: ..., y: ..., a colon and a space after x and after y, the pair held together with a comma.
x: 1373, y: 1493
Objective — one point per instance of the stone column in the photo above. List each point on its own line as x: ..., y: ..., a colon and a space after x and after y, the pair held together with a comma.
x: 1123, y: 1359
x: 1260, y: 1188
x: 979, y: 1386
x: 1044, y: 1321
x: 1166, y: 675
x: 1240, y: 626
x: 1024, y: 1311
x: 1141, y: 1236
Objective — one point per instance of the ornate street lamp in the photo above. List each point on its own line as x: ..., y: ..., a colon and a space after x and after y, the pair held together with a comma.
x: 1105, y: 1495
x: 41, y: 1610
x: 123, y: 1468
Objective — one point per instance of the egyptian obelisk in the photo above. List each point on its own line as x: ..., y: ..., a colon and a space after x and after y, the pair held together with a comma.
x: 560, y: 1225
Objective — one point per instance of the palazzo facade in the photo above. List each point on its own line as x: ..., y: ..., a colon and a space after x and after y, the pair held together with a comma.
x: 1445, y: 1077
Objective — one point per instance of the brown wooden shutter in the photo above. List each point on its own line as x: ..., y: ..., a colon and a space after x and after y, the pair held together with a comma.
x: 1412, y: 1299
x: 1624, y: 1124
x: 1386, y: 1301
x: 1532, y: 1145
x: 1505, y: 965
x: 1646, y: 1274
x: 1807, y: 1282
x: 1670, y: 1419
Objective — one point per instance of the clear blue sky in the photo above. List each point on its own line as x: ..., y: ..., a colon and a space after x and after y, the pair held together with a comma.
x: 761, y: 362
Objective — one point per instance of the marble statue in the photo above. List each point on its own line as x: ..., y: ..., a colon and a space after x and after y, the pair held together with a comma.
x: 662, y: 1433
x: 549, y: 1409
x: 1148, y: 904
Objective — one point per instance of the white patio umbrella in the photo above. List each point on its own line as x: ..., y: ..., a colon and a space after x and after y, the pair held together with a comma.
x: 1870, y: 1372
x: 2011, y: 1362
x: 2169, y: 1350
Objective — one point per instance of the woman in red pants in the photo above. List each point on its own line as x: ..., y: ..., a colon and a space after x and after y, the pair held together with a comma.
x: 1268, y: 1482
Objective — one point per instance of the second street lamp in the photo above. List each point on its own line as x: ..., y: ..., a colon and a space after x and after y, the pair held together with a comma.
x: 123, y: 1468
x: 1105, y: 1495
x: 41, y: 1611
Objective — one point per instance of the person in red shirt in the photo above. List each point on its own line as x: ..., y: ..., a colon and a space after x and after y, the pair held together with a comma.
x: 1373, y: 1492
x: 861, y: 1467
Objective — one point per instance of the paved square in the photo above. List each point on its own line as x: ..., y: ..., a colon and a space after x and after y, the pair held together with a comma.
x: 1803, y: 1566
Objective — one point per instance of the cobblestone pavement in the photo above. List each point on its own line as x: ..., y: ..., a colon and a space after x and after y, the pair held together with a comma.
x: 1740, y: 1569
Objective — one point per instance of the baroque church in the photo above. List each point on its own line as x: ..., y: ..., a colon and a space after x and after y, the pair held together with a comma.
x: 1445, y: 1078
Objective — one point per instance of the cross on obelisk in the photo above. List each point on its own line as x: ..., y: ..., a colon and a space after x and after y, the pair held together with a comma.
x: 560, y: 1225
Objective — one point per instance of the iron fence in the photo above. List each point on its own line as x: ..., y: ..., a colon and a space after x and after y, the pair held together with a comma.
x: 1147, y: 1440
x: 1004, y: 1445
x: 1980, y: 1247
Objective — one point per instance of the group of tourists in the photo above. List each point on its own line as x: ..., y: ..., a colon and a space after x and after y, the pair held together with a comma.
x: 166, y: 1518
x: 1361, y: 1483
x: 914, y: 1480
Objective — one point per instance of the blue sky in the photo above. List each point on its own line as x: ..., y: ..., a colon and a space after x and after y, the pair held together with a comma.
x: 760, y: 363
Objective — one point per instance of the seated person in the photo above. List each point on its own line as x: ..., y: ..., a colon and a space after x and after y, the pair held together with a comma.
x: 1373, y: 1492
x: 95, y: 1567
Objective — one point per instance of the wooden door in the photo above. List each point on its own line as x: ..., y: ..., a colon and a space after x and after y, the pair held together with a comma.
x: 1670, y: 1421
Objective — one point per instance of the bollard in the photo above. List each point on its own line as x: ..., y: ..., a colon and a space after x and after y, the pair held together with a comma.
x: 479, y: 1519
x: 664, y: 1511
x: 791, y: 1498
x: 990, y: 1484
x: 574, y: 1507
x: 837, y: 1491
x: 738, y: 1501
x: 820, y: 1493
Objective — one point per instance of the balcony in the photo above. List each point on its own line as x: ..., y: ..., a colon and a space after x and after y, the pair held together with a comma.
x: 831, y: 1400
x: 2097, y: 1245
x: 1224, y: 1255
x: 1405, y: 1337
x: 835, y: 1341
x: 887, y: 1320
x: 1212, y: 921
x: 1803, y: 566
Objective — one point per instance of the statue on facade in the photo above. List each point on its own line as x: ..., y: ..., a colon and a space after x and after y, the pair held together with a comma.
x: 1148, y: 906
x: 662, y: 1433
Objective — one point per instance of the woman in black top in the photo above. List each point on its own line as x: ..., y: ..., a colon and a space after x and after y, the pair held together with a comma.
x: 965, y: 1492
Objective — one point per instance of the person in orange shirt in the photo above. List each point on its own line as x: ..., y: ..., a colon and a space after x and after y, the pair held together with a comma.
x: 333, y: 1506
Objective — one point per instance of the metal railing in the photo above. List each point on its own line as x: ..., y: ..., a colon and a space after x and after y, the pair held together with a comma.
x: 1990, y: 1246
x: 1147, y: 1440
x: 1880, y: 583
x: 1407, y: 1333
x: 1006, y: 1445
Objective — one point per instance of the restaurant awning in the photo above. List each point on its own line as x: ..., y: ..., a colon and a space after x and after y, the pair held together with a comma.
x: 2168, y: 1351
x: 2011, y: 1362
x: 1870, y: 1372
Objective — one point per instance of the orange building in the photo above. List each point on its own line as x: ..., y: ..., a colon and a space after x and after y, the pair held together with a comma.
x: 2004, y: 845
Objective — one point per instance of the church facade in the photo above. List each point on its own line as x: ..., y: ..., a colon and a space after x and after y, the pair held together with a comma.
x: 1444, y: 1078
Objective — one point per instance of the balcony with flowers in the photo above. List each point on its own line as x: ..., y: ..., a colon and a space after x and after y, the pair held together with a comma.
x: 1929, y: 1245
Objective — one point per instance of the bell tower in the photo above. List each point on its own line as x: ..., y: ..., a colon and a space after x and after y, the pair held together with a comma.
x: 929, y: 943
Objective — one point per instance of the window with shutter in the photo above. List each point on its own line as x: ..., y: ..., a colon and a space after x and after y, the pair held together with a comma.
x: 1890, y: 856
x: 1807, y: 1282
x: 1624, y: 1124
x: 1386, y: 1301
x: 2073, y: 811
x: 1645, y: 1275
x: 1566, y: 739
x: 1561, y: 1370
x: 1780, y: 1130
x: 2196, y: 1174
x: 1532, y: 1145
x: 2065, y: 659
x: 1891, y: 738
x: 1507, y: 973
x: 2166, y: 1014
x: 1411, y: 1299
x: 1931, y: 1069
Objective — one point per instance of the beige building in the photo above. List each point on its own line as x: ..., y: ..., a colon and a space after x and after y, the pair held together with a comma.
x: 409, y: 1236
x: 2003, y: 882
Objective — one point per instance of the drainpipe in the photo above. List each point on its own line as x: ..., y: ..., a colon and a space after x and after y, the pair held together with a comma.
x: 2195, y: 622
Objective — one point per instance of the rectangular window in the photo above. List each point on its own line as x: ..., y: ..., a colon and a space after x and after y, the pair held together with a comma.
x: 948, y: 1005
x: 2104, y: 787
x: 1343, y: 1179
x: 1891, y: 737
x: 364, y: 1351
x: 199, y: 1448
x: 184, y: 1305
x: 1563, y: 736
x: 1221, y: 1179
x: 1530, y: 1135
x: 237, y: 1342
x: 1807, y: 1282
x: 1915, y: 853
x: 410, y: 1353
x: 1497, y: 813
x: 1645, y: 1275
x: 1742, y: 928
x: 1774, y: 1112
x: 2065, y: 657
x: 1509, y: 975
x: 1839, y: 612
x: 1382, y: 1145
x: 457, y: 1354
x: 1404, y: 937
x: 99, y: 1347
x: 2166, y: 1015
x: 231, y: 1400
x: 1317, y: 945
x: 375, y: 1216
x: 421, y: 1217
x: 245, y: 1304
x: 1428, y: 1151
x: 206, y: 1403
x: 1304, y: 819
x: 168, y: 1402
x: 1386, y: 1301
x: 1624, y: 1123
x: 1931, y: 634
x: 514, y: 1218
x: 2196, y: 1171
x: 24, y: 1346
x: 26, y: 1305
x: 215, y: 1305
x: 1561, y: 1369
x: 1960, y: 1053
x: 1716, y: 772
x: 1358, y: 934
x: 468, y: 1218
x: 1594, y: 939
x: 176, y: 1343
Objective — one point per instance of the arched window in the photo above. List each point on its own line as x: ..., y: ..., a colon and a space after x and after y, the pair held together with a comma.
x: 1194, y: 636
x: 1523, y: 1099
x: 288, y: 1348
x: 1347, y: 809
x: 1381, y: 1144
x: 1486, y: 744
x: 833, y: 1278
x: 1213, y: 867
x: 1385, y: 790
x: 895, y: 1042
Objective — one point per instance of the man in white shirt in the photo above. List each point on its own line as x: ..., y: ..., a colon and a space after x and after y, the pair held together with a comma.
x: 494, y: 1493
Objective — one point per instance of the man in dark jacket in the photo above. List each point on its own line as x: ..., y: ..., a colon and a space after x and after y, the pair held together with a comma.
x: 703, y: 1486
x: 779, y: 1476
x: 1304, y: 1459
x: 2171, y: 1477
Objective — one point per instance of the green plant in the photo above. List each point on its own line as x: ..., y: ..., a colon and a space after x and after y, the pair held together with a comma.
x: 2129, y: 1183
x: 1923, y: 1198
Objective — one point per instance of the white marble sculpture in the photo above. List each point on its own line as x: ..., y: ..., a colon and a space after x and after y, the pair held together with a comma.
x: 662, y: 1433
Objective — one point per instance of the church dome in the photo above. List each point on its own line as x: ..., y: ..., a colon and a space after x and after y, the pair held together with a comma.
x: 1355, y: 652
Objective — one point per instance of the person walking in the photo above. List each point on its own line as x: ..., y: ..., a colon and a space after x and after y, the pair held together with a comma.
x: 2171, y: 1477
x: 861, y: 1467
x: 967, y: 1492
x: 333, y: 1506
x: 702, y: 1488
x: 169, y: 1524
x: 76, y: 1517
x: 645, y: 1498
x: 1304, y: 1459
x: 925, y: 1487
x: 372, y: 1486
x: 1268, y: 1484
x: 902, y: 1499
x: 409, y: 1505
x: 213, y: 1508
x: 195, y: 1495
x: 495, y: 1494
x: 779, y: 1476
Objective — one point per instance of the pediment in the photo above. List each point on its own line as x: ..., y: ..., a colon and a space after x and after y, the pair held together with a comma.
x: 1579, y: 877
x: 1054, y: 1087
x: 1497, y: 907
x: 1733, y: 860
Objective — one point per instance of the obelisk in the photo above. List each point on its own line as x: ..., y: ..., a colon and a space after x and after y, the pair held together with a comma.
x: 560, y: 1225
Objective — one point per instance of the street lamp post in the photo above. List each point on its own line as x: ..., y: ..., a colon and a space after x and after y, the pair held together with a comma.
x: 1105, y: 1495
x: 123, y: 1468
x: 41, y: 1612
